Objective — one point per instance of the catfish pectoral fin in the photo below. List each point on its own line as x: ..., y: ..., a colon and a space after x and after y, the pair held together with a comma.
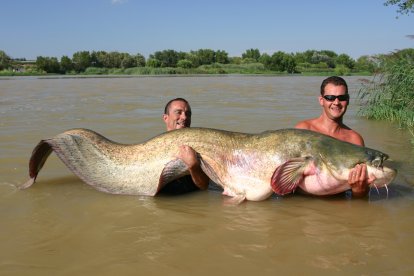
x: 172, y: 170
x: 39, y: 156
x: 288, y: 175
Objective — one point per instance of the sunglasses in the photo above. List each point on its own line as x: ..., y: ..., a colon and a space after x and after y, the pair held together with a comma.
x: 332, y: 98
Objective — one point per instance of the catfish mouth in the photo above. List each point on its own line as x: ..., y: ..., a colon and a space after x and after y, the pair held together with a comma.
x: 376, y: 160
x: 388, y: 175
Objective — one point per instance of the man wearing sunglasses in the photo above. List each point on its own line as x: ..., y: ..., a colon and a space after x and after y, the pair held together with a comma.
x: 334, y: 100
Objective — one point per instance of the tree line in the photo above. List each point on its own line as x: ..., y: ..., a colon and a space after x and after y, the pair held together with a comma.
x: 308, y: 61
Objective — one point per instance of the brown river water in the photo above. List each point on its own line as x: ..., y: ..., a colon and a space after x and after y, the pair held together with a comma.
x: 61, y: 226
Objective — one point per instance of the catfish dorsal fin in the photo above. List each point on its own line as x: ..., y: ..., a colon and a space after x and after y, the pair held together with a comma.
x: 288, y: 175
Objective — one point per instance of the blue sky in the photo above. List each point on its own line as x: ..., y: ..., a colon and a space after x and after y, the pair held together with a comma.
x: 53, y: 28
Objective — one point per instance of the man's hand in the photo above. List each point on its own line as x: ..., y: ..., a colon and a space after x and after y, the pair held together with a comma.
x: 359, y: 181
x: 189, y: 157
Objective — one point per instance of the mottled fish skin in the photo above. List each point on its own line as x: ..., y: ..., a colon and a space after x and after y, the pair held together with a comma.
x: 247, y: 166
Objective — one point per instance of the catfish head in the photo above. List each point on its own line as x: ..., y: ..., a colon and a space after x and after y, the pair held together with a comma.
x: 324, y: 169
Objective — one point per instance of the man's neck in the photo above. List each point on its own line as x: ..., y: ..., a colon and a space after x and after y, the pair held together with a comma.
x: 330, y: 126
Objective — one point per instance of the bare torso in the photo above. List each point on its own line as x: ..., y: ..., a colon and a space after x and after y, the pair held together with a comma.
x: 334, y: 129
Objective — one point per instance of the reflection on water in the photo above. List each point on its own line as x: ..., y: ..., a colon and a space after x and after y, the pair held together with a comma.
x: 61, y: 226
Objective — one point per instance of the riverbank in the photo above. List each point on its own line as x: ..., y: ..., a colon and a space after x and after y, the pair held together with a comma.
x: 109, y: 73
x: 212, y: 69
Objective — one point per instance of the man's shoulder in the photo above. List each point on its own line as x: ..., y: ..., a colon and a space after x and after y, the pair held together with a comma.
x: 354, y: 137
x: 307, y: 124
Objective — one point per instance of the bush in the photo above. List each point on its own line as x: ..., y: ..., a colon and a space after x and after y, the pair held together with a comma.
x: 342, y: 70
x: 184, y: 63
x: 391, y: 95
x: 96, y: 71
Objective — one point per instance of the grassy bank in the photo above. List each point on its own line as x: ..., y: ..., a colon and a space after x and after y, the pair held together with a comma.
x: 213, y: 69
x: 390, y: 96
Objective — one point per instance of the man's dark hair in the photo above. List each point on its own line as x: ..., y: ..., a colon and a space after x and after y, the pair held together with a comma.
x: 337, y: 81
x: 167, y: 106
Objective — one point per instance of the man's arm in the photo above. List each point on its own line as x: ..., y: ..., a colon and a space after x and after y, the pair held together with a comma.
x: 189, y: 157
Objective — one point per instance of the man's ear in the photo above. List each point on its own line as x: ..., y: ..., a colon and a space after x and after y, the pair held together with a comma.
x: 164, y: 117
x: 321, y: 100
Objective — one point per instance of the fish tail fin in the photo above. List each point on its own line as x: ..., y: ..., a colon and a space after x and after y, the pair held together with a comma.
x: 39, y: 156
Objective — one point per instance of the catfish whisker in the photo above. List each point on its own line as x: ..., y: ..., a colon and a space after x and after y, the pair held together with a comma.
x: 376, y: 188
x: 386, y: 188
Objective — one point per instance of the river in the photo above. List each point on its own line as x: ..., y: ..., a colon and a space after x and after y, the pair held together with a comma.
x: 61, y: 226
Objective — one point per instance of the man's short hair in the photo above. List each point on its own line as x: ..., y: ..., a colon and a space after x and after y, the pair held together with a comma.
x: 335, y: 80
x: 167, y: 106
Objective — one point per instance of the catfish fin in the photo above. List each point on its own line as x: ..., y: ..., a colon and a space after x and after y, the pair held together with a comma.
x: 39, y: 156
x: 210, y: 172
x: 288, y: 175
x: 234, y: 200
x: 172, y: 170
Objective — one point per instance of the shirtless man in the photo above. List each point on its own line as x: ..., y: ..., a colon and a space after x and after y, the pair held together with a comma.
x: 177, y: 114
x: 334, y: 100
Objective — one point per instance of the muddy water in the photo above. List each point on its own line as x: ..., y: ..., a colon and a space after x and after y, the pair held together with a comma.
x: 61, y: 226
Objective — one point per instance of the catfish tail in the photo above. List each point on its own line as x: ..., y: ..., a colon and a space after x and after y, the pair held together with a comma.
x: 39, y: 156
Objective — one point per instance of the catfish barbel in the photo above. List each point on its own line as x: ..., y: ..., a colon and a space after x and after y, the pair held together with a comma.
x: 247, y: 166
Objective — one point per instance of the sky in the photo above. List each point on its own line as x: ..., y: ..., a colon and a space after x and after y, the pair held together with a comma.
x: 54, y: 28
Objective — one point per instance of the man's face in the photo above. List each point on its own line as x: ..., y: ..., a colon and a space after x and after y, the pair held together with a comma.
x: 334, y: 109
x: 179, y: 116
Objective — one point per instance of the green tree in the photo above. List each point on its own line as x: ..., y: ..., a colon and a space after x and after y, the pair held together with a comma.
x: 140, y: 60
x: 277, y: 61
x: 407, y: 54
x: 289, y: 63
x: 167, y: 58
x: 344, y: 59
x: 5, y: 60
x: 205, y: 56
x: 193, y: 58
x: 48, y: 64
x: 66, y: 64
x: 97, y: 58
x: 266, y: 60
x: 341, y: 70
x: 280, y: 61
x: 222, y: 57
x: 251, y: 53
x: 113, y: 60
x: 128, y: 61
x: 404, y: 6
x: 248, y: 60
x: 325, y: 57
x: 328, y: 53
x: 184, y: 63
x: 81, y: 60
x: 366, y: 63
x: 153, y: 62
x: 304, y: 57
x: 235, y: 60
x: 41, y: 63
